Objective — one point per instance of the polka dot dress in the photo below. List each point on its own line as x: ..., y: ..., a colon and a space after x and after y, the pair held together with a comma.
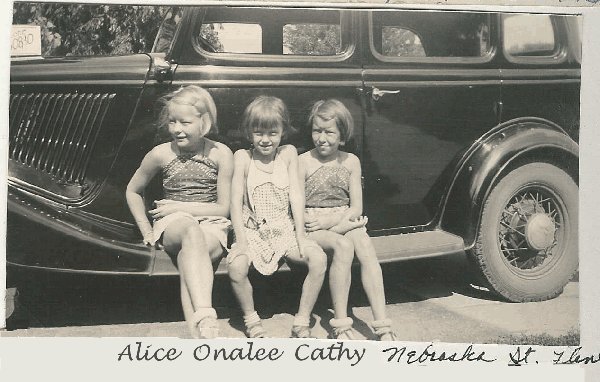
x: 268, y: 220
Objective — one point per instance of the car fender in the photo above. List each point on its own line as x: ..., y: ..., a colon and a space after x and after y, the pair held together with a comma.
x: 491, y: 157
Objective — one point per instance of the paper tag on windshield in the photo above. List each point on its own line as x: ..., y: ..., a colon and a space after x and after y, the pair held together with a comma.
x: 26, y: 40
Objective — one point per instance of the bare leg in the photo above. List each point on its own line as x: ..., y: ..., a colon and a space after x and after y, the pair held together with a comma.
x: 186, y: 238
x: 316, y: 260
x: 370, y: 271
x: 238, y: 273
x: 188, y: 309
x: 340, y: 270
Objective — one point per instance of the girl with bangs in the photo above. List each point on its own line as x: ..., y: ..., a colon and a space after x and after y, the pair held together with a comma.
x: 267, y: 214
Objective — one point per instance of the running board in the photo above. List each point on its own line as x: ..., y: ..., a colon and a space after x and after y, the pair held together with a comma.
x: 388, y: 249
x: 418, y: 244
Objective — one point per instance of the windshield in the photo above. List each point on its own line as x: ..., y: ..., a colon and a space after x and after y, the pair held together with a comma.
x: 164, y: 38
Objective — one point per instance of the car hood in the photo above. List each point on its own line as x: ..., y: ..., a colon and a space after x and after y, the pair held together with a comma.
x: 120, y: 69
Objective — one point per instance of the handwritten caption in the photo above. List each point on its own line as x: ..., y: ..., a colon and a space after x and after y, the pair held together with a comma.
x: 342, y: 352
x: 25, y: 40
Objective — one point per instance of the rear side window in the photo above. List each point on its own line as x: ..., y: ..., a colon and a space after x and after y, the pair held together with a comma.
x: 312, y: 39
x: 425, y: 35
x: 268, y: 31
x: 528, y: 35
x: 400, y: 42
x: 231, y: 37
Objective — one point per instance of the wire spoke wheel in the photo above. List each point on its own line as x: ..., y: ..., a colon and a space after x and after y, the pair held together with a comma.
x: 526, y: 247
x: 530, y: 228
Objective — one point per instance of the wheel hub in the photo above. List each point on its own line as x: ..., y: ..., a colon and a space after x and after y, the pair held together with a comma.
x: 539, y: 231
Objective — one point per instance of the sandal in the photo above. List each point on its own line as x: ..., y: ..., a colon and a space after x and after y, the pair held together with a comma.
x: 383, y: 330
x: 205, y: 322
x: 301, y: 327
x: 342, y: 329
x: 301, y: 331
x: 256, y: 330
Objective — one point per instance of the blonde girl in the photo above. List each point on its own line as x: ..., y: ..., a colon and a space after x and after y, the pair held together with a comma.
x: 267, y: 213
x: 191, y: 221
x: 332, y: 182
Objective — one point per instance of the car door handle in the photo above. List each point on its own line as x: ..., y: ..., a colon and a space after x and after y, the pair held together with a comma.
x: 376, y: 94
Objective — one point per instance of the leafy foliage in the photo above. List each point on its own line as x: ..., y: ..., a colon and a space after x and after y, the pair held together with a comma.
x: 312, y: 39
x: 92, y: 29
x: 398, y: 42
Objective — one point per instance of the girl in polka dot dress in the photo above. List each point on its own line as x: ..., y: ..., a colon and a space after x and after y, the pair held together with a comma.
x: 332, y: 182
x: 191, y: 221
x: 267, y: 213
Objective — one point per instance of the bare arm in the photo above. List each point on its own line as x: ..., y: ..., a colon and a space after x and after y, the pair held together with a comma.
x: 356, y: 197
x: 148, y: 168
x: 296, y: 191
x: 290, y: 155
x: 238, y: 188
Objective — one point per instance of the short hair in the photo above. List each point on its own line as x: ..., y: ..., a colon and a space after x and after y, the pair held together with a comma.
x: 334, y: 109
x: 192, y: 95
x: 263, y: 113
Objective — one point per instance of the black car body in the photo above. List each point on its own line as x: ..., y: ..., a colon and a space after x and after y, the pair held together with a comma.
x: 467, y: 135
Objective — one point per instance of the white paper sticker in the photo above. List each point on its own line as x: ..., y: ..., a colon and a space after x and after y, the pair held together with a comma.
x: 26, y: 40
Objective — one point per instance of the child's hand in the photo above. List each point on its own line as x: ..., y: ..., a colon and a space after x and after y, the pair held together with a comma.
x: 348, y: 225
x: 149, y: 238
x: 318, y: 222
x: 360, y: 221
x: 304, y: 244
x: 164, y: 207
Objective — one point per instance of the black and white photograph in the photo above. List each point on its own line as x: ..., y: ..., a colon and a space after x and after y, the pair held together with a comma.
x: 326, y: 173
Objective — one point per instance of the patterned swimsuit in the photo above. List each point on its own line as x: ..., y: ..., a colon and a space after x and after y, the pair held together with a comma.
x: 192, y: 178
x: 267, y: 216
x: 327, y: 190
x: 328, y: 187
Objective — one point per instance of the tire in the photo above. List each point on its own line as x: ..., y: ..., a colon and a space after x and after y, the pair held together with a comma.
x: 527, y: 244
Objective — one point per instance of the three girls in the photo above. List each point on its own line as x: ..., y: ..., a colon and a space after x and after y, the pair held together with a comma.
x: 263, y: 190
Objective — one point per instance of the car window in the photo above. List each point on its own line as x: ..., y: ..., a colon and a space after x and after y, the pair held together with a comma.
x: 312, y: 39
x: 301, y: 32
x: 411, y: 34
x: 400, y: 42
x: 528, y: 35
x: 231, y: 37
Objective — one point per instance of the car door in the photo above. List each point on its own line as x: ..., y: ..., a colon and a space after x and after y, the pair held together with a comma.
x: 432, y: 87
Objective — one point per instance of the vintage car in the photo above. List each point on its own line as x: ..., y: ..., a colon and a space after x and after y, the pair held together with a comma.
x: 467, y: 130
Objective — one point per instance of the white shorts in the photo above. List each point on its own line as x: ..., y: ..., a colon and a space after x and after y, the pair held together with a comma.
x: 218, y: 226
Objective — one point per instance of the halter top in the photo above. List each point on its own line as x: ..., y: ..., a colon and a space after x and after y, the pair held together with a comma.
x: 190, y: 178
x: 328, y: 186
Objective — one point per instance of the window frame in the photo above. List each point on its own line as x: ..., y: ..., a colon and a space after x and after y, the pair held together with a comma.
x: 489, y: 56
x: 557, y: 57
x: 347, y: 35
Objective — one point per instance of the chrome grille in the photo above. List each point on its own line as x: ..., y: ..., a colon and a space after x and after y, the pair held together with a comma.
x: 55, y: 133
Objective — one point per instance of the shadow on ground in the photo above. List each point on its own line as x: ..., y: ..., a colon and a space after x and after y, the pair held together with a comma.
x: 46, y: 299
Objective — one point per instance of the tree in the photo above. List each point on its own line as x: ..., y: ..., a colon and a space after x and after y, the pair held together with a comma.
x: 92, y: 29
x: 312, y: 39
